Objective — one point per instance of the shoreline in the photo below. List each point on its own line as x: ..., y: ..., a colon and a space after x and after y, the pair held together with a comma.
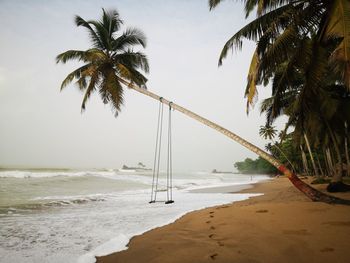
x: 280, y: 226
x: 230, y: 189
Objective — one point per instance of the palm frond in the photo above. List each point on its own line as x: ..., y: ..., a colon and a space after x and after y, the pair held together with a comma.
x: 82, y: 82
x: 214, y: 3
x: 138, y: 78
x: 255, y: 29
x: 265, y: 105
x: 93, y: 36
x: 90, y: 55
x: 116, y: 95
x: 316, y: 72
x: 278, y: 52
x: 337, y: 25
x: 90, y: 89
x: 137, y: 60
x: 131, y: 37
x: 249, y: 6
x: 72, y: 55
x: 124, y: 71
x: 102, y: 33
x: 277, y: 105
x: 111, y: 91
x: 76, y: 74
x: 102, y: 89
x: 130, y: 74
x: 287, y: 77
x: 96, y: 55
x: 251, y: 90
x: 111, y: 21
x: 266, y: 6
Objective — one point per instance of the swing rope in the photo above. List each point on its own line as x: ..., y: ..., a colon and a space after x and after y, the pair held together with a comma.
x: 156, y: 164
x: 169, y: 163
x: 155, y: 176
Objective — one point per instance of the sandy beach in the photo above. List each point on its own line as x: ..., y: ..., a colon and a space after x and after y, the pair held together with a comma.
x: 280, y: 226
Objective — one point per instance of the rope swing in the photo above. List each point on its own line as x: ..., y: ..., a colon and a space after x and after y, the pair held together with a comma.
x: 169, y: 163
x: 156, y: 164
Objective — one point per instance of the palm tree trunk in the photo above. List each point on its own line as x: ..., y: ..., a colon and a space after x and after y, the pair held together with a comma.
x: 312, y: 193
x: 319, y: 165
x: 330, y: 162
x: 326, y: 164
x: 303, y: 157
x: 347, y: 156
x: 311, y: 155
x: 347, y: 149
x: 337, y: 176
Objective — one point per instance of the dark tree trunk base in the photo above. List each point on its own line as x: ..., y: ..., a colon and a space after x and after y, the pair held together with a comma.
x: 337, y: 187
x: 312, y: 193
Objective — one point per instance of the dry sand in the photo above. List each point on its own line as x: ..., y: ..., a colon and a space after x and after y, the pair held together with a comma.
x: 280, y: 226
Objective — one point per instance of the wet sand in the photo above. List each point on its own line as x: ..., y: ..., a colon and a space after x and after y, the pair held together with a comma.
x: 280, y: 226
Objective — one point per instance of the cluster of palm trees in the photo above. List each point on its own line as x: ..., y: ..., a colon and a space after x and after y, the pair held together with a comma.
x: 303, y: 53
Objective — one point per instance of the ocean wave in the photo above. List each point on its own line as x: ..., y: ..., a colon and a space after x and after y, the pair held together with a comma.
x: 145, y: 178
x: 30, y: 174
x: 110, y: 174
x: 47, y: 202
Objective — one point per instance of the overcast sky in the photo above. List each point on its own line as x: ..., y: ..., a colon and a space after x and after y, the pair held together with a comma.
x: 43, y: 127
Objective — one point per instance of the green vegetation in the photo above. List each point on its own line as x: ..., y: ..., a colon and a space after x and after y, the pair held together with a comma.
x: 258, y: 166
x: 321, y: 180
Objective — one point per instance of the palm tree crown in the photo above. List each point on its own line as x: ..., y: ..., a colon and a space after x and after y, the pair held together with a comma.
x: 267, y: 131
x: 110, y: 62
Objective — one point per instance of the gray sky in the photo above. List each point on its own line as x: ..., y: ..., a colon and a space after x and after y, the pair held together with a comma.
x: 41, y: 127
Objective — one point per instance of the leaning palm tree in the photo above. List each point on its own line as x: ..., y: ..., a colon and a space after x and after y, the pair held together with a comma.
x: 112, y: 62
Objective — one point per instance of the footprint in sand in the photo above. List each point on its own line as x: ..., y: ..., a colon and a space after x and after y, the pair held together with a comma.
x: 212, y: 227
x: 337, y: 223
x: 327, y: 249
x: 213, y: 256
x: 208, y: 222
x: 211, y: 236
x: 221, y: 244
x: 299, y: 232
x: 262, y: 211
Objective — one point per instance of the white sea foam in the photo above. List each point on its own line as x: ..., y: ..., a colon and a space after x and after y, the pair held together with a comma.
x: 29, y: 174
x: 162, y: 216
x: 115, y: 244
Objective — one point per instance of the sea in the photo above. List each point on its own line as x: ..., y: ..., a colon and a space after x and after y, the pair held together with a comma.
x: 68, y: 216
